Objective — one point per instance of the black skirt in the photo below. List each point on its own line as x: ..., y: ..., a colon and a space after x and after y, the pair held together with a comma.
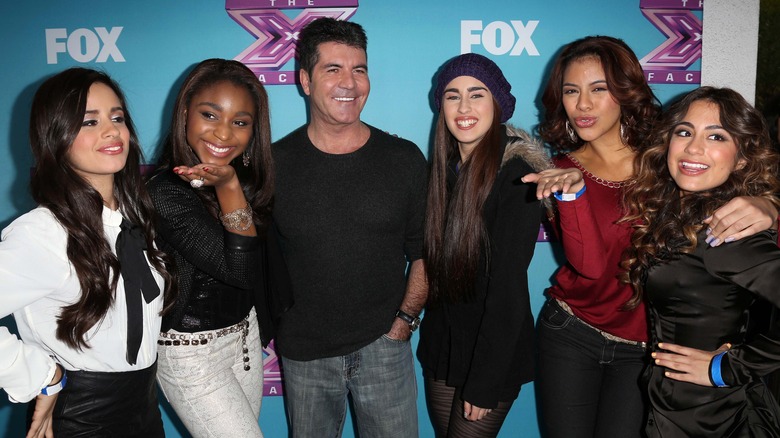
x: 101, y: 404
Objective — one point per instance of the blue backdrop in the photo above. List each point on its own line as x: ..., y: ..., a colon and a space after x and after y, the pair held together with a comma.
x: 148, y: 45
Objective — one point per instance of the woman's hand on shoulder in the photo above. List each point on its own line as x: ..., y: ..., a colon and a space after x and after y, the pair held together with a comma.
x: 211, y: 175
x: 739, y: 218
x: 555, y: 180
x: 686, y: 364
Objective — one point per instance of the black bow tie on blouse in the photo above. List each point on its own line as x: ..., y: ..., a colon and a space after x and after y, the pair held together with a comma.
x: 138, y: 280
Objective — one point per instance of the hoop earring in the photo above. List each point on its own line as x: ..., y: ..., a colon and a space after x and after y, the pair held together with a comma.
x: 245, y: 158
x: 572, y: 135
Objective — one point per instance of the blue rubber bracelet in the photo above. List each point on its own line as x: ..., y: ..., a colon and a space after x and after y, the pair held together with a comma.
x: 717, y: 378
x: 569, y: 196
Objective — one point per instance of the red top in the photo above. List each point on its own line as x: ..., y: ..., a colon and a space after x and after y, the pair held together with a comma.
x: 594, y: 246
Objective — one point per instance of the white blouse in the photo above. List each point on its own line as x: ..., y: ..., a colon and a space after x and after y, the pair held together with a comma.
x: 36, y: 281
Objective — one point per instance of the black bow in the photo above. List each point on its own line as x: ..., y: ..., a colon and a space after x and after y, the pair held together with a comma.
x: 138, y: 280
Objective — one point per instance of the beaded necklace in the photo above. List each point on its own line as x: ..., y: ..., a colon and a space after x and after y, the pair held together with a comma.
x: 602, y: 181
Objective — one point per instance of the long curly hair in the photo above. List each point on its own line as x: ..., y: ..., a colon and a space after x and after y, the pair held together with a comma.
x: 455, y: 233
x: 56, y: 117
x: 666, y: 223
x: 257, y: 179
x: 639, y: 107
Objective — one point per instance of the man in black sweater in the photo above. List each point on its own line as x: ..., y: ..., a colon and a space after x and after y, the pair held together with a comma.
x: 349, y: 206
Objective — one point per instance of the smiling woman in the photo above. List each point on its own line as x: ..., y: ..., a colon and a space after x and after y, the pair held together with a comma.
x: 702, y: 154
x: 81, y: 273
x: 709, y: 147
x: 476, y: 338
x: 100, y: 149
x: 468, y: 112
x: 213, y: 195
x: 219, y: 123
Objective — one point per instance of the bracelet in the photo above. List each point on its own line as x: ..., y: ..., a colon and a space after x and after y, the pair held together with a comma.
x: 59, y: 386
x: 569, y: 196
x: 239, y: 220
x: 715, y: 376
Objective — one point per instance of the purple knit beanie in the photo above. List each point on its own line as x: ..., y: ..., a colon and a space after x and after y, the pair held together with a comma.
x: 482, y: 68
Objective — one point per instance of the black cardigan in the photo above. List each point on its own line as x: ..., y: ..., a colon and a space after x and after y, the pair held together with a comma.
x: 198, y: 242
x: 486, y: 346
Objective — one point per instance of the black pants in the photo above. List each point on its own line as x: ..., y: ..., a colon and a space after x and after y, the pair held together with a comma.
x: 97, y: 404
x: 586, y: 386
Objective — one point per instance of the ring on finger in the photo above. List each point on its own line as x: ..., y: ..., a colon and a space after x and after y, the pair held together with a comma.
x: 197, y: 183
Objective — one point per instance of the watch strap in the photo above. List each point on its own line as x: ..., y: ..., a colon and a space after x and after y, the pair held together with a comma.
x: 413, y: 321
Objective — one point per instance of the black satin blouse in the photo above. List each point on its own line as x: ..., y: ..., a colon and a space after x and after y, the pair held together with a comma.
x: 701, y: 301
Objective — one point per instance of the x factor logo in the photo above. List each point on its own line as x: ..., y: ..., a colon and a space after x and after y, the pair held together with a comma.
x: 277, y: 32
x: 272, y: 373
x: 669, y: 62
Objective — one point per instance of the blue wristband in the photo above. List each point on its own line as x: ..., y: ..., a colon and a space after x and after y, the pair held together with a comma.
x: 715, y: 375
x: 569, y: 196
x: 57, y: 387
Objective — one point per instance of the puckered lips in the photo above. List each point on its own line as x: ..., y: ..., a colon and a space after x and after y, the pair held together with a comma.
x: 585, y: 121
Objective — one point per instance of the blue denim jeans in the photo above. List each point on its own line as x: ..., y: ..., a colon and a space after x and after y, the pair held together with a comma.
x: 379, y: 378
x: 586, y: 386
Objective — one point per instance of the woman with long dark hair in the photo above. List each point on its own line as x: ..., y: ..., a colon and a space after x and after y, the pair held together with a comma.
x: 710, y: 147
x: 80, y: 272
x: 476, y: 339
x: 213, y: 195
x: 599, y: 112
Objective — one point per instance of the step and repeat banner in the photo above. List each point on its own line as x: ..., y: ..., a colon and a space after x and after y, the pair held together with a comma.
x: 149, y: 46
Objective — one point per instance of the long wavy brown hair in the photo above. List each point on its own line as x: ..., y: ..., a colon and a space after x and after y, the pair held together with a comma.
x: 639, y: 108
x: 666, y: 223
x: 56, y: 117
x: 257, y: 180
x: 455, y: 234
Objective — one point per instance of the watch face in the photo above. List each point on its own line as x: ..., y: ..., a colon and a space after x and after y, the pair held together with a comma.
x: 413, y: 322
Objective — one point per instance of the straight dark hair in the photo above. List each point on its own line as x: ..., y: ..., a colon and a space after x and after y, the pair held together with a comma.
x: 56, y: 118
x: 257, y: 178
x: 455, y: 234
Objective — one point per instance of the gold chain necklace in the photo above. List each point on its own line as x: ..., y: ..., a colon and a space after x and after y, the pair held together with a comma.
x: 602, y: 181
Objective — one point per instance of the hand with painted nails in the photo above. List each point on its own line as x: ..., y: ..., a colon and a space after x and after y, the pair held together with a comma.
x: 211, y: 175
x: 555, y: 180
x: 686, y: 364
x: 739, y: 218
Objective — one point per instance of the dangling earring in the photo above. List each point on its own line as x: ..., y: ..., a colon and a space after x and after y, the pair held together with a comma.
x: 623, y: 138
x: 572, y: 135
x: 245, y: 158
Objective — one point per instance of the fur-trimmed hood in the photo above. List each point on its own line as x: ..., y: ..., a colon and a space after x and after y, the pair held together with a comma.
x: 522, y: 144
x: 531, y: 150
